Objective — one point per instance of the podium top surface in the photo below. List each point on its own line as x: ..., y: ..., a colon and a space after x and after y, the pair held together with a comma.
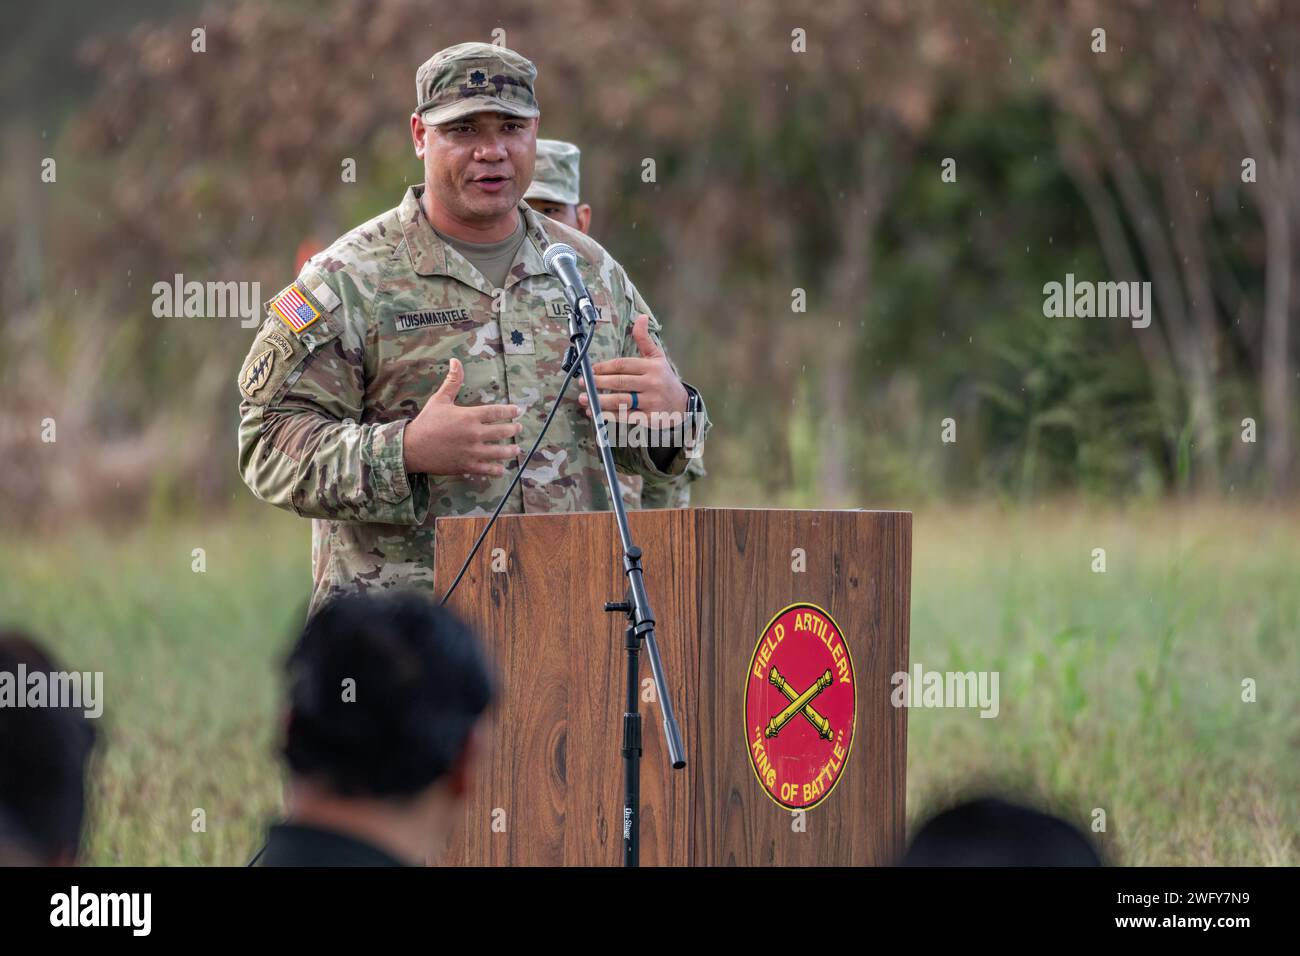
x: 810, y: 511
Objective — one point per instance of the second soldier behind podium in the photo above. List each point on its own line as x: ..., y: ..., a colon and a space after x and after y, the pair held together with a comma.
x: 556, y: 193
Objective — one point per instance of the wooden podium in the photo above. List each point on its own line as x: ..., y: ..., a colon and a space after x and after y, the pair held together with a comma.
x: 549, y: 787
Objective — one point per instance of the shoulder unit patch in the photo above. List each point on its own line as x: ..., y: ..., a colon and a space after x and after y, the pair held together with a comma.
x: 257, y: 372
x: 271, y: 360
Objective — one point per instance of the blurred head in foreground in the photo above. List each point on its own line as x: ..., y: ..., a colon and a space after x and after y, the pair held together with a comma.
x: 992, y: 832
x: 44, y: 755
x: 384, y: 695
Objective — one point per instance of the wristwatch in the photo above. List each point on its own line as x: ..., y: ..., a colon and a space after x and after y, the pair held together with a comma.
x: 694, y: 413
x: 692, y: 400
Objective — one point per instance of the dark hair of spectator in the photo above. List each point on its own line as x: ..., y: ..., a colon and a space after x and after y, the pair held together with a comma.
x: 383, y: 693
x: 993, y: 832
x: 44, y: 753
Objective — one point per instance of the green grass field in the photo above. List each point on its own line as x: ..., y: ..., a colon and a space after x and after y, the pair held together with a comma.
x: 1120, y: 691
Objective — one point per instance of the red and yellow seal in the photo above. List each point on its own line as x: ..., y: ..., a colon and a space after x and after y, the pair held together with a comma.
x: 800, y: 706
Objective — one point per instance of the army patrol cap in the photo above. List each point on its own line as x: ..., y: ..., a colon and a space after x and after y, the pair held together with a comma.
x: 555, y: 176
x: 475, y: 78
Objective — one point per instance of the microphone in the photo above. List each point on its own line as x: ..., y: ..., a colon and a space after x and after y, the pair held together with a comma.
x: 562, y: 262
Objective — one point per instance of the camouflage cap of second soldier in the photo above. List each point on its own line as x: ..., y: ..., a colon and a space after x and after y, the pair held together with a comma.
x: 475, y: 78
x: 555, y: 176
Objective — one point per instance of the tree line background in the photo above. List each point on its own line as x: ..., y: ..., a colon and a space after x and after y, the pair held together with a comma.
x: 775, y: 170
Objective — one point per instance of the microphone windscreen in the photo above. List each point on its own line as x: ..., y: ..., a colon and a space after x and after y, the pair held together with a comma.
x: 554, y: 251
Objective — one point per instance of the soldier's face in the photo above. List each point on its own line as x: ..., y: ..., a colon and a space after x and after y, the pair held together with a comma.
x: 477, y: 167
x: 576, y: 216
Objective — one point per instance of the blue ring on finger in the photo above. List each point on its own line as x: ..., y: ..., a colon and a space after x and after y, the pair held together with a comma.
x: 634, y: 402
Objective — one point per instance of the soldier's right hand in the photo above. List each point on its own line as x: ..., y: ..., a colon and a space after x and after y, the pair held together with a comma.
x: 450, y: 439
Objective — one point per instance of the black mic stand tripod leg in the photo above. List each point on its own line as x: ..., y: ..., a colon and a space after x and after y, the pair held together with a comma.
x: 636, y: 605
x: 631, y: 749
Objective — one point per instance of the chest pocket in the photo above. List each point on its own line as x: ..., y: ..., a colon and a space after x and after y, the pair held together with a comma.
x: 416, y: 346
x: 553, y: 326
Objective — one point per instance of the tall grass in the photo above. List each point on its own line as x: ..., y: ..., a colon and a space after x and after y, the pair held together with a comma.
x: 1119, y: 691
x: 191, y: 663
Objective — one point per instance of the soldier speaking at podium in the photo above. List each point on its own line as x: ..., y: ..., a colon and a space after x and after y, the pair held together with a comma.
x: 396, y: 379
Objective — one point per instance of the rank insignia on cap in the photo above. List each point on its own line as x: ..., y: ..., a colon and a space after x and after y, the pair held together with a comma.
x: 294, y: 308
x: 476, y: 78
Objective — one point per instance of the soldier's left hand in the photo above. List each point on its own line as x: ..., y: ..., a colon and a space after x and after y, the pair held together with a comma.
x: 657, y: 386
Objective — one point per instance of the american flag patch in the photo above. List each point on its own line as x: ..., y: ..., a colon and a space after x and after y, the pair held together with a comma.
x: 294, y: 308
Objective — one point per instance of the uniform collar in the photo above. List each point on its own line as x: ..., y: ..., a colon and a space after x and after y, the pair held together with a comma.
x: 528, y: 261
x: 290, y: 844
x: 430, y: 256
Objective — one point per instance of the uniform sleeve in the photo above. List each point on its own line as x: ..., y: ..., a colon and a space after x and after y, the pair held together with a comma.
x: 660, y: 494
x: 675, y: 493
x: 301, y: 444
x: 682, y: 487
x: 637, y: 460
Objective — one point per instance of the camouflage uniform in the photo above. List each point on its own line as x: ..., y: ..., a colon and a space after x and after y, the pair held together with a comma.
x: 352, y: 350
x: 675, y: 493
x: 324, y: 408
x: 556, y: 178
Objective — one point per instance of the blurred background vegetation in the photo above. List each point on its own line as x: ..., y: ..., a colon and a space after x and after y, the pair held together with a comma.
x: 776, y: 171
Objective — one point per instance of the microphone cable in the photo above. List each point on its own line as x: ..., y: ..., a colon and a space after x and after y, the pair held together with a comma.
x: 577, y: 364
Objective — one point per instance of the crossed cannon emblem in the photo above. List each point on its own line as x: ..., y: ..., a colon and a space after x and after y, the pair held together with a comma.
x: 799, y: 704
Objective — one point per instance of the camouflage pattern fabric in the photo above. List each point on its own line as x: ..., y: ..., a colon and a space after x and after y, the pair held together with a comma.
x: 556, y: 173
x: 672, y: 494
x: 475, y: 78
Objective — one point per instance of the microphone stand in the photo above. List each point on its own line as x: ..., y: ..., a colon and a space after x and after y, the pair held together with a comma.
x: 635, y: 604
